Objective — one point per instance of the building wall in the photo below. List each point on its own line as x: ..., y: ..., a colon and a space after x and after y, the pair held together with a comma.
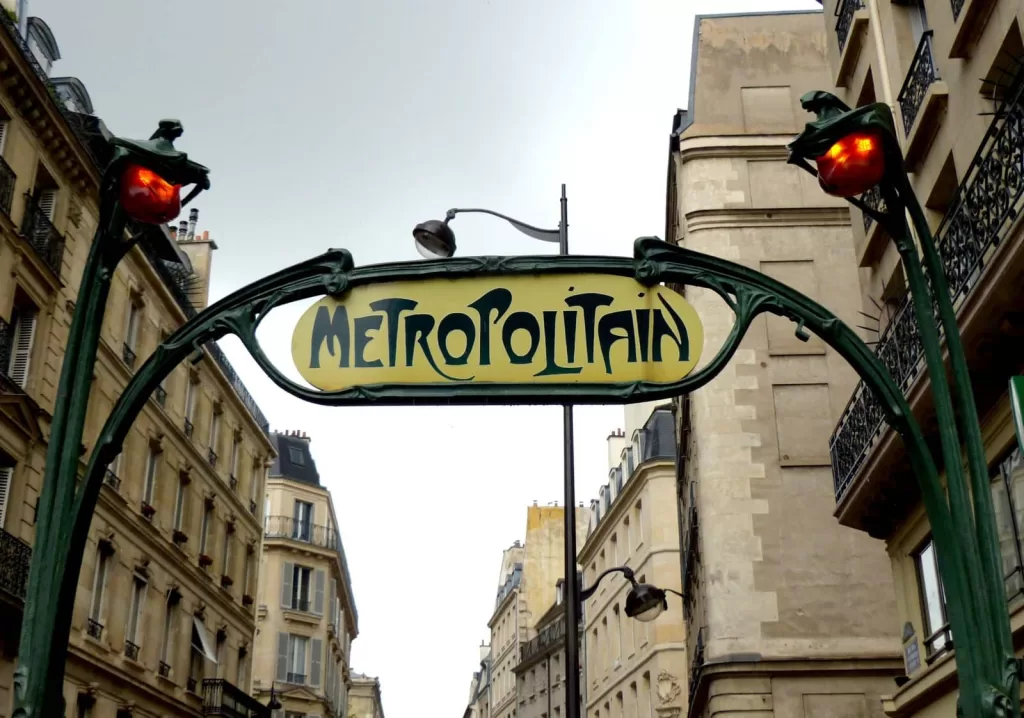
x: 544, y: 560
x: 772, y: 576
x: 634, y: 668
x: 107, y: 665
x: 508, y: 631
x: 327, y: 621
x: 365, y: 698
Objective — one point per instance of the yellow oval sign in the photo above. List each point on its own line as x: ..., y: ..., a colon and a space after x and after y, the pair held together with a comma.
x: 522, y: 329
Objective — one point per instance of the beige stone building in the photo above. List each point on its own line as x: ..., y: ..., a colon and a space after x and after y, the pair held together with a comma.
x: 164, y: 617
x: 480, y: 687
x: 364, y: 697
x: 950, y: 71
x: 786, y: 612
x: 540, y: 674
x: 634, y: 669
x: 306, y: 620
x: 530, y: 572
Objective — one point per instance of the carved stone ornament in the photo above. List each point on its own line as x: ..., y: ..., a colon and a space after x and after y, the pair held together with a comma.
x: 668, y: 688
x: 74, y: 212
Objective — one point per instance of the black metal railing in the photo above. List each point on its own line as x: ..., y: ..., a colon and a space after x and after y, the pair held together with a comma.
x: 211, y: 456
x: 190, y: 684
x: 94, y: 629
x: 42, y: 235
x: 696, y: 666
x: 252, y: 507
x: 15, y: 557
x: 957, y: 6
x: 7, y: 180
x: 128, y: 355
x: 873, y: 199
x: 922, y: 74
x: 221, y: 698
x: 301, y: 604
x: 287, y: 527
x: 844, y: 19
x: 131, y: 650
x: 691, y: 555
x: 111, y: 479
x: 189, y: 428
x: 551, y: 636
x: 161, y: 396
x: 164, y: 669
x: 296, y: 678
x: 233, y: 481
x: 984, y: 206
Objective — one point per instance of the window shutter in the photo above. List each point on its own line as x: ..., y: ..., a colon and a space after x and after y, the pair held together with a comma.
x: 315, y: 653
x: 6, y: 476
x: 47, y: 202
x: 282, y: 656
x: 318, y: 595
x: 334, y: 593
x: 3, y: 133
x: 24, y: 333
x: 286, y: 584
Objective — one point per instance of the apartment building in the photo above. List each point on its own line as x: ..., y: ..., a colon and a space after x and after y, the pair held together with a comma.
x: 634, y: 669
x: 508, y: 632
x: 951, y: 72
x: 307, y: 616
x: 364, y: 698
x: 164, y: 618
x: 480, y: 686
x: 786, y: 611
x: 540, y: 673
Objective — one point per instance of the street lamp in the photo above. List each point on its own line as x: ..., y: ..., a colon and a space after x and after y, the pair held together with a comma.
x: 644, y: 602
x: 435, y: 239
x: 854, y: 150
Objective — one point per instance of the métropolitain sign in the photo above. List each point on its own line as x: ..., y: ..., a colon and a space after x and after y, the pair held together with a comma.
x: 580, y: 331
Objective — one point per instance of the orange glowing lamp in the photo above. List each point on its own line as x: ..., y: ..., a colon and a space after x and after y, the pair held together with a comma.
x: 852, y: 165
x: 147, y: 197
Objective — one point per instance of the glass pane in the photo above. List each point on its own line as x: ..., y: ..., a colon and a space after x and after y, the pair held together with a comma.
x: 933, y: 608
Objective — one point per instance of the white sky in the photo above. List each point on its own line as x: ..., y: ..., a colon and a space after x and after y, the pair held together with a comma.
x: 343, y: 123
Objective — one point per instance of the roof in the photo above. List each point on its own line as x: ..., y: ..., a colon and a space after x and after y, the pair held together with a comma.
x: 294, y: 460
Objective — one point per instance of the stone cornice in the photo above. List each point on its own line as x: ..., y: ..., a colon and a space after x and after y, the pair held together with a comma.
x: 641, y: 475
x: 762, y: 147
x: 745, y: 217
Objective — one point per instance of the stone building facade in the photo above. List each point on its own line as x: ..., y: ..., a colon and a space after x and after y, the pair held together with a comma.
x: 364, y: 697
x: 307, y: 616
x: 164, y: 616
x: 950, y: 70
x: 540, y: 674
x: 634, y: 669
x: 786, y: 612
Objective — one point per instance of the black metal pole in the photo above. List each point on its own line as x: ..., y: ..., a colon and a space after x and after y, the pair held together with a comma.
x: 572, y: 589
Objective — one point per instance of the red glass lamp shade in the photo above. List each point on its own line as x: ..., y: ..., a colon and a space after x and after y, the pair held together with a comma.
x: 148, y: 197
x: 852, y: 165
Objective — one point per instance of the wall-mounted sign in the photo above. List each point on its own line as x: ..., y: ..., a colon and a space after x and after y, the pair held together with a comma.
x: 521, y: 329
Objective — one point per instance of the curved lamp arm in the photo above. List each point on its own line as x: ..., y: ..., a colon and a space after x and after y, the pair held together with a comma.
x: 586, y: 593
x: 544, y: 235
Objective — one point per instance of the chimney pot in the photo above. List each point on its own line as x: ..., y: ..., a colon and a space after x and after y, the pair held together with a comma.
x: 193, y: 218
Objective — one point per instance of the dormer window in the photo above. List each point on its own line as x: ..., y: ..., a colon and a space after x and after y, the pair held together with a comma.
x: 296, y: 456
x: 42, y: 44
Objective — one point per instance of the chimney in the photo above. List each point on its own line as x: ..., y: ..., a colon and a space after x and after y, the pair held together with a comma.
x: 199, y: 250
x: 193, y: 218
x: 535, y: 502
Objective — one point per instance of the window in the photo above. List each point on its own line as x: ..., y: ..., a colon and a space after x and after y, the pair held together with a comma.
x: 4, y: 124
x: 615, y: 549
x: 918, y: 20
x: 167, y: 643
x: 648, y: 702
x: 233, y: 468
x: 617, y: 631
x: 606, y: 648
x: 83, y: 706
x: 190, y: 405
x: 99, y: 585
x: 1007, y: 495
x: 149, y: 490
x: 297, y: 659
x: 247, y: 574
x: 202, y: 651
x: 266, y: 513
x: 303, y: 529
x: 46, y: 201
x: 225, y: 559
x: 242, y: 672
x: 136, y: 611
x: 297, y: 586
x: 24, y: 321
x: 296, y: 456
x: 214, y: 428
x: 639, y: 508
x: 633, y: 700
x: 204, y: 530
x: 933, y: 600
x: 179, y: 505
x: 627, y: 531
x: 131, y: 333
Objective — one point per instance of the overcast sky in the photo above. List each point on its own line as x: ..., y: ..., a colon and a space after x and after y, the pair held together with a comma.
x: 343, y: 123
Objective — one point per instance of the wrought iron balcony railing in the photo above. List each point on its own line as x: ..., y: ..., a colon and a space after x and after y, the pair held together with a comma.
x: 873, y: 199
x: 696, y: 666
x: 922, y: 74
x: 164, y: 669
x: 189, y: 428
x: 190, y: 684
x: 95, y: 629
x: 42, y: 235
x: 957, y: 6
x: 161, y: 396
x: 691, y: 554
x: 551, y: 635
x: 131, y: 650
x: 221, y: 698
x: 233, y: 481
x: 7, y: 180
x: 844, y: 19
x: 128, y: 355
x: 111, y: 479
x: 15, y: 557
x: 985, y: 204
x: 211, y: 456
x: 299, y: 678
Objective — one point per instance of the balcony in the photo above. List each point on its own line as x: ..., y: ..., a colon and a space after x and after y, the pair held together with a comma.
x: 974, y: 243
x: 161, y: 396
x: 548, y: 638
x: 164, y: 670
x: 851, y: 19
x: 7, y: 180
x: 15, y: 556
x: 298, y: 678
x: 211, y: 457
x: 131, y: 651
x: 128, y: 355
x: 922, y: 98
x: 189, y: 428
x: 111, y: 479
x: 221, y: 698
x: 43, y: 236
x: 94, y: 629
x: 288, y: 528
